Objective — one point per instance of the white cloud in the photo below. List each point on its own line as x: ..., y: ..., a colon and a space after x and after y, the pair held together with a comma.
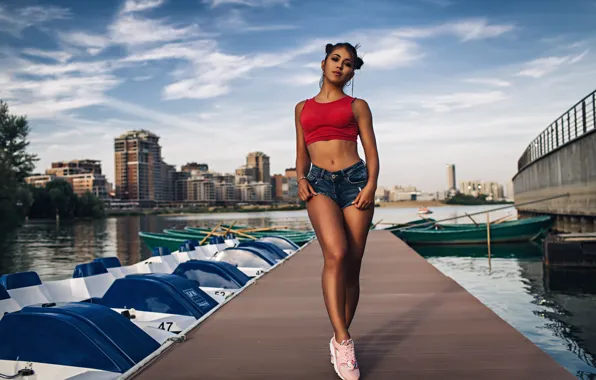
x: 15, y: 21
x: 465, y: 30
x: 250, y: 3
x: 93, y: 42
x: 142, y: 78
x: 542, y: 66
x: 60, y: 56
x: 490, y: 82
x: 131, y: 29
x: 453, y: 101
x: 141, y: 5
x: 393, y: 48
x: 73, y: 67
x: 41, y: 14
x: 235, y: 22
x: 390, y: 53
x: 306, y: 79
x: 210, y: 70
x: 134, y: 30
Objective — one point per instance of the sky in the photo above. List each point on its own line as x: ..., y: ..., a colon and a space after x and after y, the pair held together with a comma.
x: 461, y: 82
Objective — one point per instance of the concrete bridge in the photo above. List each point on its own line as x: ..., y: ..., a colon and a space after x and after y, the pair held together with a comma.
x: 562, y: 159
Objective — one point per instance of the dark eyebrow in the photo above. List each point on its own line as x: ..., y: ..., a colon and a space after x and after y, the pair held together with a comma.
x: 349, y: 59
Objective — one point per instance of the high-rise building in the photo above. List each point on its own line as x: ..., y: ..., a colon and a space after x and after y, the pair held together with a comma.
x: 246, y: 174
x: 451, y: 177
x: 259, y: 161
x: 138, y: 166
x: 193, y: 166
x: 180, y: 186
x: 64, y: 168
x: 488, y: 188
x: 168, y: 173
x: 277, y: 182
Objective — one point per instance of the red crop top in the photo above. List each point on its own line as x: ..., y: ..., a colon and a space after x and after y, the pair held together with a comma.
x: 329, y: 121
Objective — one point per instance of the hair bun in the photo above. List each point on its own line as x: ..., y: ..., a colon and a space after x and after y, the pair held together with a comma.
x: 328, y: 48
x: 358, y: 64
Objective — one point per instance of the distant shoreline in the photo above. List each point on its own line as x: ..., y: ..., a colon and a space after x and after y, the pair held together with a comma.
x: 202, y: 210
x: 412, y: 204
x: 239, y: 209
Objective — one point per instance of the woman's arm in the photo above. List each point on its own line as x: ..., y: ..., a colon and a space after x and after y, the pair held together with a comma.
x: 305, y: 191
x: 363, y: 116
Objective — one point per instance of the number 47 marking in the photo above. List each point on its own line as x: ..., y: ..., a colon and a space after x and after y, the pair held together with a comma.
x: 163, y: 327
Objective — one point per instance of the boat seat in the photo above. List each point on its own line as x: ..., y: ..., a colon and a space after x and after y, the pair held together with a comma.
x: 116, y: 272
x: 25, y: 288
x: 161, y: 264
x: 231, y: 242
x: 211, y: 249
x: 112, y: 264
x: 96, y: 277
x: 68, y: 290
x: 7, y: 304
x: 138, y: 268
x: 181, y: 257
x: 163, y: 255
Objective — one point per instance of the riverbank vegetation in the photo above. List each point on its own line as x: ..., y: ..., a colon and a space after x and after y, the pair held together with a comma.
x: 57, y: 198
x: 19, y: 200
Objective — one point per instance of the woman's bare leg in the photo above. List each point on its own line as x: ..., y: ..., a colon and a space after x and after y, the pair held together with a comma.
x: 327, y: 220
x: 356, y: 224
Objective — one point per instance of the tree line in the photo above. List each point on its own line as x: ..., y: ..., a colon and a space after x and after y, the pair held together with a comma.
x: 19, y: 200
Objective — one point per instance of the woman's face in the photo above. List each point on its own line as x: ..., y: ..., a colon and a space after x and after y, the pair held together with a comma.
x: 338, y: 68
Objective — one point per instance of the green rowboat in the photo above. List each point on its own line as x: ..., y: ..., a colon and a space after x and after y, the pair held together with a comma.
x: 298, y: 237
x: 506, y: 232
x: 153, y: 240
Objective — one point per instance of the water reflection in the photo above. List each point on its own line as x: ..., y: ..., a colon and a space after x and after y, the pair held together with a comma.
x: 554, y: 308
x: 53, y: 250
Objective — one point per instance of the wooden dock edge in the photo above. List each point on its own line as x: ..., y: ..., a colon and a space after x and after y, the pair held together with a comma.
x: 428, y: 338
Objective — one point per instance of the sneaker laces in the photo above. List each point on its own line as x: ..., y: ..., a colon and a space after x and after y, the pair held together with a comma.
x: 349, y: 354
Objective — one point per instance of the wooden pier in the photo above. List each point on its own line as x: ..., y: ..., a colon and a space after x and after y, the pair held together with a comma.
x: 412, y: 322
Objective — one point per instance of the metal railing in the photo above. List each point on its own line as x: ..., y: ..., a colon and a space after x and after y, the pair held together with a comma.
x: 576, y: 122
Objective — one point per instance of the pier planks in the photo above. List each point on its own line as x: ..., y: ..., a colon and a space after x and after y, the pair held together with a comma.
x: 412, y: 322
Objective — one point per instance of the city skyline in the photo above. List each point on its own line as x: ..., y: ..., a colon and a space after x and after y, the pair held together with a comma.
x: 255, y: 169
x: 451, y: 81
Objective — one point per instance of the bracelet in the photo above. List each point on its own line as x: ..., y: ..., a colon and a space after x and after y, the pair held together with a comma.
x: 301, y: 179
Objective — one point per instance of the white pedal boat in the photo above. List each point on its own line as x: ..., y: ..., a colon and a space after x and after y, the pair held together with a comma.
x: 153, y: 301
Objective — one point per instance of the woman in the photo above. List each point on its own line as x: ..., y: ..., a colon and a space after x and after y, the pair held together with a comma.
x: 339, y: 190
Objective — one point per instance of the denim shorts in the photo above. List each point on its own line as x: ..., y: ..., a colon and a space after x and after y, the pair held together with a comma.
x: 341, y: 186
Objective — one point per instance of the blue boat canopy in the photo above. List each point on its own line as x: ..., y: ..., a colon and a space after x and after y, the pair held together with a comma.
x: 217, y: 240
x: 3, y: 293
x: 161, y: 251
x: 280, y: 241
x: 187, y: 247
x: 159, y: 293
x: 74, y: 334
x: 212, y: 274
x: 275, y: 252
x: 109, y: 262
x: 89, y: 269
x: 19, y: 280
x: 245, y: 257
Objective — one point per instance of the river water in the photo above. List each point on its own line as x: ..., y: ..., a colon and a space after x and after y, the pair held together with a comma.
x: 554, y: 309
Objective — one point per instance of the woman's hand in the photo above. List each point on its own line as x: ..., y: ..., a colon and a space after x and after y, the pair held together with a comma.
x: 305, y: 190
x: 365, y: 198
